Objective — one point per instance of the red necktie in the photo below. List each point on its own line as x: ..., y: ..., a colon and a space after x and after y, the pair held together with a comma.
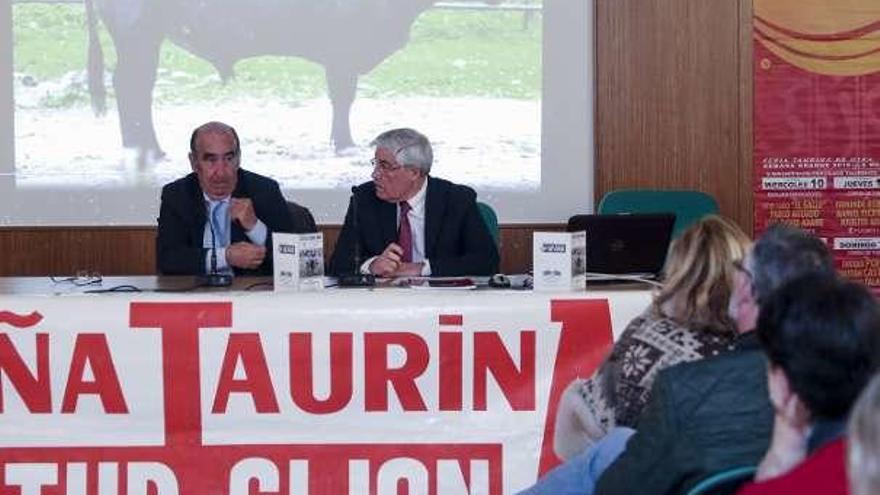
x: 404, y: 233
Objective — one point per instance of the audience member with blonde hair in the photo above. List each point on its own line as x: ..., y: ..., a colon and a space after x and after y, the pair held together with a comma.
x: 863, y: 452
x: 688, y: 319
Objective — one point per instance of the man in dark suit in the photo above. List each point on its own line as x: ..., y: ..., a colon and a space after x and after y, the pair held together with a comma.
x: 220, y: 218
x: 410, y: 224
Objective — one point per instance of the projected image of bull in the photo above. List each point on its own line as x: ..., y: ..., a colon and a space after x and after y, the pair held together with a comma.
x: 347, y: 37
x: 307, y: 83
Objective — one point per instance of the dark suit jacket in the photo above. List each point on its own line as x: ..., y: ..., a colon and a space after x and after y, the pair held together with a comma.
x: 457, y: 241
x: 702, y: 417
x: 182, y: 218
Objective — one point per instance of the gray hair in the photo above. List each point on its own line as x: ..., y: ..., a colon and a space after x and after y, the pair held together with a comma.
x: 410, y: 147
x: 784, y: 253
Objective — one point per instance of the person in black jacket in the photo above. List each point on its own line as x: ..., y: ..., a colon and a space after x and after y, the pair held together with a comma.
x: 220, y: 218
x: 409, y: 223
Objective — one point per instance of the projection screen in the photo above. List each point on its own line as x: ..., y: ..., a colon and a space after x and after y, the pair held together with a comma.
x: 504, y: 89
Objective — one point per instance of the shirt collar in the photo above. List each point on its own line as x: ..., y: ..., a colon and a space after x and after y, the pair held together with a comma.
x: 417, y: 202
x: 212, y: 202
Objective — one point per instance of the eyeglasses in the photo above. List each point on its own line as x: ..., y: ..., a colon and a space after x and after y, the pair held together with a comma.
x: 81, y: 279
x: 385, y: 166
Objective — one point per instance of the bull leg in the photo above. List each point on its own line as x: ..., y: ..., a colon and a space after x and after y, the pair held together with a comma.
x: 133, y: 80
x: 341, y: 84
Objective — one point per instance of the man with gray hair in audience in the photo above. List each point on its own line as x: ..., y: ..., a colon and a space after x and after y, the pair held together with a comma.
x: 407, y: 223
x: 714, y: 414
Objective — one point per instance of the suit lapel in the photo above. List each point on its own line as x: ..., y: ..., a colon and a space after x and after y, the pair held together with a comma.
x: 435, y: 206
x: 198, y: 205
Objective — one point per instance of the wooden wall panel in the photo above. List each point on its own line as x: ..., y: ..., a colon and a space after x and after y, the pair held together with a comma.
x: 745, y: 213
x: 58, y: 251
x: 673, y: 98
x: 41, y: 251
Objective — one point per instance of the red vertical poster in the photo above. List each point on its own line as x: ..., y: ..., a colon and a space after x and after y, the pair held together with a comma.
x: 817, y: 125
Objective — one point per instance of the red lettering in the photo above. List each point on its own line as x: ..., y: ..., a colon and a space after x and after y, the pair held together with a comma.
x: 247, y: 349
x: 583, y: 343
x: 518, y: 385
x: 378, y: 375
x: 302, y: 389
x: 92, y: 348
x: 35, y: 391
x: 450, y: 374
x: 451, y: 320
x: 180, y: 324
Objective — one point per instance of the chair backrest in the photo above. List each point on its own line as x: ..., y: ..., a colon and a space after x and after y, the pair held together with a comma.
x: 724, y: 482
x: 688, y: 206
x: 303, y: 221
x: 490, y: 219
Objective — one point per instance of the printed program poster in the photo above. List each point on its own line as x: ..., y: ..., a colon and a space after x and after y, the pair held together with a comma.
x: 817, y: 125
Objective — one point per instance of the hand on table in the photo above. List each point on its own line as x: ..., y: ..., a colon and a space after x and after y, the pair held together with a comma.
x: 387, y: 263
x: 409, y: 270
x: 245, y: 255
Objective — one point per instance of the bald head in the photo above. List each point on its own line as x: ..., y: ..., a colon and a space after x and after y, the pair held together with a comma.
x: 213, y: 127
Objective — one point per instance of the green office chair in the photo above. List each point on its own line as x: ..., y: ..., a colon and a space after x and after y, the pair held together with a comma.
x: 688, y: 206
x: 490, y: 219
x: 724, y: 482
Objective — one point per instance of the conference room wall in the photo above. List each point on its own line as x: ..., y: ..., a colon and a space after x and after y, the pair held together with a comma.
x: 674, y: 98
x: 673, y: 110
x: 35, y: 251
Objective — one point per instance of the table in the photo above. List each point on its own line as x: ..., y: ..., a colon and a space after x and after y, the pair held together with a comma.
x: 336, y: 391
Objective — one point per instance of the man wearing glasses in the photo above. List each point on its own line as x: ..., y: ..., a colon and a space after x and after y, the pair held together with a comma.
x: 406, y: 223
x: 220, y: 218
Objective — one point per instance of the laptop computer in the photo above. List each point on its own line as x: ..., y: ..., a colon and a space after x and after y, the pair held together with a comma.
x: 622, y: 246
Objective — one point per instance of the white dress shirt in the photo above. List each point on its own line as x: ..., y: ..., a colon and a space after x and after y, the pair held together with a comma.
x: 416, y: 218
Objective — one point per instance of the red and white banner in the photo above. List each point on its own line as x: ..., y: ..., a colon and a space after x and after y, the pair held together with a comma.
x: 817, y: 125
x: 339, y: 392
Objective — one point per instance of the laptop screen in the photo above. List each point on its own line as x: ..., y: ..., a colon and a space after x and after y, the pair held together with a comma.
x: 625, y: 243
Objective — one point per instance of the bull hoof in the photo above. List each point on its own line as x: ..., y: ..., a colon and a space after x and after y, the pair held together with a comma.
x: 349, y: 152
x: 344, y: 148
x: 149, y: 157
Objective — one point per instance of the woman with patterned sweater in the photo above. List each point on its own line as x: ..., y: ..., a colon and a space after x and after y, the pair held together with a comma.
x: 687, y: 320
